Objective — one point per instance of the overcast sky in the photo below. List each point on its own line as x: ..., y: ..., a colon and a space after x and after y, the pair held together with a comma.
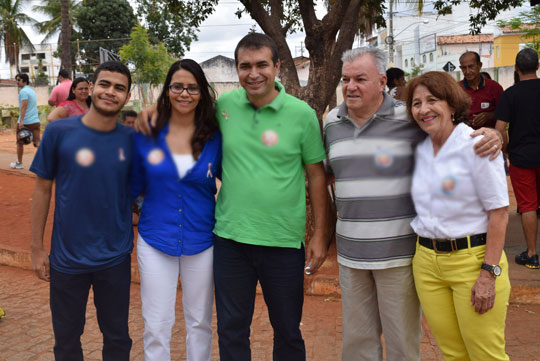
x: 218, y: 35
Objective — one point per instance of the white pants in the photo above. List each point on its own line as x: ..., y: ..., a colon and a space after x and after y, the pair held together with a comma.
x: 159, y: 279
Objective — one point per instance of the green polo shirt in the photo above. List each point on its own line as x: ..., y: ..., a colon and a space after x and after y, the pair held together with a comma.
x: 262, y: 200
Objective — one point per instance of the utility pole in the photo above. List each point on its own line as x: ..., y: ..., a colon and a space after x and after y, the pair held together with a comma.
x: 391, y: 32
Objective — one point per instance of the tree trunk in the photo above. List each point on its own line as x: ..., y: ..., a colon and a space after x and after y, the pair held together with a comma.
x: 66, y: 36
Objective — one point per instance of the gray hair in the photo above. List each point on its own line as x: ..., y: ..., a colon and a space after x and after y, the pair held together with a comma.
x: 378, y: 55
x: 527, y: 61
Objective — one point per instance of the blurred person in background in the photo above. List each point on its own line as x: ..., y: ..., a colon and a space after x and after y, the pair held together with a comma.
x: 77, y: 103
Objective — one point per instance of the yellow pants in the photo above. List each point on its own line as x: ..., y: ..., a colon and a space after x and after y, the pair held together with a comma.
x: 443, y: 283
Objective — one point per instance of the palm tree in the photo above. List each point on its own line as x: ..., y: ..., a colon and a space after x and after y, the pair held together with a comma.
x: 11, y: 33
x: 53, y: 25
x: 65, y: 35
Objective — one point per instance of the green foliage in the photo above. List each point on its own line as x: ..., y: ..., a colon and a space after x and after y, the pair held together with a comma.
x: 102, y: 20
x: 151, y: 61
x: 289, y: 14
x: 12, y: 18
x: 483, y: 10
x: 527, y: 22
x: 41, y: 78
x: 52, y: 26
x: 174, y: 22
x: 416, y: 70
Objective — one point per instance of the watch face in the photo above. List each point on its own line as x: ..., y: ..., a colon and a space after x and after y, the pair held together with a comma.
x: 497, y: 270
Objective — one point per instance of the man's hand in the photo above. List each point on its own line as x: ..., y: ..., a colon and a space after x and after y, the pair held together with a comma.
x: 141, y: 123
x: 40, y: 263
x: 491, y: 144
x: 483, y: 292
x: 316, y: 252
x: 20, y: 126
x: 481, y: 118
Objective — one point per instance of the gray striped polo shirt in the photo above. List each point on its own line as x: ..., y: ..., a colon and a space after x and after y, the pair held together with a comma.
x: 373, y: 166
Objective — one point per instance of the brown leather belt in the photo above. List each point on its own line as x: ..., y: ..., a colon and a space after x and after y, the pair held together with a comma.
x: 447, y: 245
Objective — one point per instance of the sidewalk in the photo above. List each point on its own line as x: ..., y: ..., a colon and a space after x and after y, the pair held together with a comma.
x: 26, y: 332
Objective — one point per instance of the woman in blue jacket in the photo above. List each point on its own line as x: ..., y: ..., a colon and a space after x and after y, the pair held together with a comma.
x: 176, y: 170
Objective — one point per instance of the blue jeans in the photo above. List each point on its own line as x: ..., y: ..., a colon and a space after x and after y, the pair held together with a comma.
x: 68, y: 297
x: 280, y: 271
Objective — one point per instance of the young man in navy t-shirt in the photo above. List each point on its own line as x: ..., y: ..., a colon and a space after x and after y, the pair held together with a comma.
x: 88, y: 158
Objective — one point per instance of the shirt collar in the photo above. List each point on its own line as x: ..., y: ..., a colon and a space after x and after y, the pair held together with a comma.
x: 480, y: 85
x: 275, y: 104
x: 386, y: 108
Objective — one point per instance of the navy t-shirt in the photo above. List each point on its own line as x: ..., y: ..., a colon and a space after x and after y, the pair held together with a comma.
x: 92, y: 219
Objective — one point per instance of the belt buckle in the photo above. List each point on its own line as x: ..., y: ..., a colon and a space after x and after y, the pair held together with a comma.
x: 453, y: 245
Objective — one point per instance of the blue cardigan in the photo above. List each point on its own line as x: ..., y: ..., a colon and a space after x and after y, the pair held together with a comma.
x: 177, y: 216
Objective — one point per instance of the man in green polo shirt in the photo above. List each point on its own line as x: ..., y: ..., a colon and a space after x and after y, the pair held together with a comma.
x: 270, y: 140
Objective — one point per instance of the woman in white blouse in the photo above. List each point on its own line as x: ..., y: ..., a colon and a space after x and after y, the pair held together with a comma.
x: 461, y: 200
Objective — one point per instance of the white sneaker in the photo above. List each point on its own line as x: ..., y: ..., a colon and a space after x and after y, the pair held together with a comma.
x: 16, y: 165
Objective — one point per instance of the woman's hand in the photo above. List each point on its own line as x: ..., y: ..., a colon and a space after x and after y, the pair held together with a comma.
x: 483, y: 292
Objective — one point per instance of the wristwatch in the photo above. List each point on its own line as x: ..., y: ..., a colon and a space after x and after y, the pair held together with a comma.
x: 493, y: 269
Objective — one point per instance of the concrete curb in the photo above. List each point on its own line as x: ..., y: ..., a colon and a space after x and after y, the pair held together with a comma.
x: 525, y: 285
x: 316, y: 285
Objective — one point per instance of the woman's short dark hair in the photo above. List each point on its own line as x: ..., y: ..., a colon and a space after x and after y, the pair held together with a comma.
x: 443, y: 87
x: 78, y: 80
x: 205, y: 114
x: 393, y: 74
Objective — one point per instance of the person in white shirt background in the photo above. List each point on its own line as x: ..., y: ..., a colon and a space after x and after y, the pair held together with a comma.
x: 461, y: 199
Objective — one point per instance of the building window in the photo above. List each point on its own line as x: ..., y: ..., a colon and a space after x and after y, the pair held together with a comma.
x: 498, y: 53
x: 25, y: 56
x: 424, y: 59
x: 430, y: 57
x: 40, y: 55
x: 406, y: 63
x: 25, y: 69
x: 412, y: 62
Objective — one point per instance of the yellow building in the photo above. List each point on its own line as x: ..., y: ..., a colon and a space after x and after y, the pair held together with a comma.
x: 507, y: 45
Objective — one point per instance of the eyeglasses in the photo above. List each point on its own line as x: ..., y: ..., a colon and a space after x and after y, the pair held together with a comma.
x: 179, y: 89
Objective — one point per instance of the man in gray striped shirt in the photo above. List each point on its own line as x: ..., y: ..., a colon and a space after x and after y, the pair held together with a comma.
x: 370, y: 143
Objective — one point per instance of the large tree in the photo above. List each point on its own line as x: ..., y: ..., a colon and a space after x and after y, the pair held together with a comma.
x: 12, y: 17
x: 52, y: 26
x: 65, y: 35
x: 103, y: 23
x: 327, y: 38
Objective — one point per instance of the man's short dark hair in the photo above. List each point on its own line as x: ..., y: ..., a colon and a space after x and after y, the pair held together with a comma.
x: 129, y: 113
x: 23, y: 77
x: 64, y: 74
x: 392, y: 75
x: 527, y: 61
x: 476, y: 56
x: 257, y: 41
x: 115, y: 67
